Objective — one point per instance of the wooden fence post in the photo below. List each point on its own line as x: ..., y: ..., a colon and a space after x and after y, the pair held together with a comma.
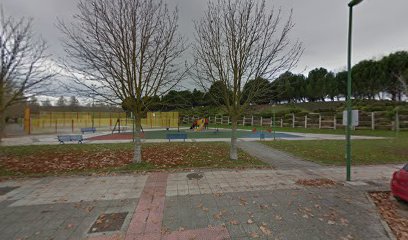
x: 261, y: 122
x: 281, y: 122
x: 252, y: 120
x: 306, y: 121
x: 320, y: 121
x: 334, y: 122
x: 372, y: 120
x: 293, y: 120
x: 243, y: 121
x: 397, y: 122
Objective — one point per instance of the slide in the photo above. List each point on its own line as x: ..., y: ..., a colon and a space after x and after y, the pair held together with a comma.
x: 200, y: 124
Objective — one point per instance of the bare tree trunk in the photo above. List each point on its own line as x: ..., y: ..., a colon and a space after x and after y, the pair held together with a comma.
x: 234, y: 148
x: 137, y: 156
x: 2, y: 125
x: 2, y: 112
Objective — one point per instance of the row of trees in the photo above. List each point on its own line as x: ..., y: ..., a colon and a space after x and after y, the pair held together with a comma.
x: 61, y: 102
x: 372, y: 79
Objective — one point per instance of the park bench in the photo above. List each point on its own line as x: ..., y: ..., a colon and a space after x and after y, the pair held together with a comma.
x: 90, y: 129
x: 170, y: 136
x: 70, y: 138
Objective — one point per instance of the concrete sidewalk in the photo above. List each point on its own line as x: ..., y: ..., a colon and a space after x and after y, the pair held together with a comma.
x: 244, y: 204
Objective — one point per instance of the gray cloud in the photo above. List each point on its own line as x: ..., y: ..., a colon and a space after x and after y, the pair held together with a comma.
x: 379, y: 26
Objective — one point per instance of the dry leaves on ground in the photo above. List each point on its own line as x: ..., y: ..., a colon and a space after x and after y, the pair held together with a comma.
x: 265, y: 230
x: 47, y: 162
x: 388, y: 209
x: 319, y: 182
x: 72, y: 158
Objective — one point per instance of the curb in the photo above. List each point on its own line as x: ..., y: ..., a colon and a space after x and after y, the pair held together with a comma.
x: 384, y: 223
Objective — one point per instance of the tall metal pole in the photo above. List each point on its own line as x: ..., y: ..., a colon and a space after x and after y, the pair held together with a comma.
x: 274, y: 130
x: 348, y: 100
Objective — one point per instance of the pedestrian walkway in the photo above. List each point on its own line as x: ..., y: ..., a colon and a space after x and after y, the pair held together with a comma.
x: 276, y: 158
x: 214, y: 204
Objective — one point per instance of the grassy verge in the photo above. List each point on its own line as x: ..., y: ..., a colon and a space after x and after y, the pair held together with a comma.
x: 102, y: 158
x: 383, y: 151
x: 379, y: 133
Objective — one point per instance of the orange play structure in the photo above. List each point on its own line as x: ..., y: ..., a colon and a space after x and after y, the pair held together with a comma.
x: 199, y: 124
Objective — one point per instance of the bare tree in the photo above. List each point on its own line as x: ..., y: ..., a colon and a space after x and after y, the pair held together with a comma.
x: 23, y: 64
x: 237, y: 41
x: 124, y: 52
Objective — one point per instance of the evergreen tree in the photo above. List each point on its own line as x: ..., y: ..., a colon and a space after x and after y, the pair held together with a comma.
x: 73, y: 102
x: 61, y: 102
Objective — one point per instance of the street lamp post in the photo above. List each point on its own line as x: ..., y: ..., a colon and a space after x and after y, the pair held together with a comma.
x: 348, y: 98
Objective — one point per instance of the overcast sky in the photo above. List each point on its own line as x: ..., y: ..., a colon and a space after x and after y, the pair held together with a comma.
x: 380, y: 26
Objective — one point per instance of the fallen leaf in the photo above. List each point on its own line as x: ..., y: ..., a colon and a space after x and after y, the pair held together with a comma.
x: 254, y: 235
x: 265, y: 230
x: 234, y: 222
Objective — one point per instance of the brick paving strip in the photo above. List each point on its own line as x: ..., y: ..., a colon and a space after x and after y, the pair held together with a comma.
x: 147, y: 219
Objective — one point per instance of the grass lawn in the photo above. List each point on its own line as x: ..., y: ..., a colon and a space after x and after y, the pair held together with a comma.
x: 332, y: 152
x: 90, y: 158
x: 379, y: 133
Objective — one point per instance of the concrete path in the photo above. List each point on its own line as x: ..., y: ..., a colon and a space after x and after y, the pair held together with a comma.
x: 276, y: 158
x: 239, y: 204
x: 51, y: 139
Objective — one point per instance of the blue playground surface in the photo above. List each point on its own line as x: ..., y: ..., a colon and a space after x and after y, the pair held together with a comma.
x: 208, y: 133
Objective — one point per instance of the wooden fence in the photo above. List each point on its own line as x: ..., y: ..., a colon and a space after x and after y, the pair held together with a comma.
x: 367, y: 120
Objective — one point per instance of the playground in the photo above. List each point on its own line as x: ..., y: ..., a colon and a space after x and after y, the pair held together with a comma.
x: 212, y: 133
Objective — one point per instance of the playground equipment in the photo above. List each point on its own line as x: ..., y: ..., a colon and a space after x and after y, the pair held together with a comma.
x: 199, y: 124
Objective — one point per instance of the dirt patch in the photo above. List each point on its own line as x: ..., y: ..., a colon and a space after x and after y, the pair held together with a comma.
x: 391, y: 211
x: 319, y: 182
x: 108, y: 222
